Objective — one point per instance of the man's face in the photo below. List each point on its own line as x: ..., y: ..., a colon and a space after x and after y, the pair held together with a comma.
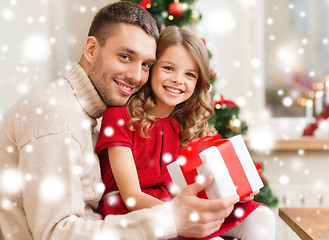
x: 121, y: 67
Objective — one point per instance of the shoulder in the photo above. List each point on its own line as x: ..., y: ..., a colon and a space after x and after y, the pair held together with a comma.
x: 116, y: 113
x: 175, y: 125
x: 45, y: 110
x: 116, y: 118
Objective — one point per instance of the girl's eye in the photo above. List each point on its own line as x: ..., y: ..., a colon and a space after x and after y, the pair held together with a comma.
x: 191, y: 75
x: 168, y: 68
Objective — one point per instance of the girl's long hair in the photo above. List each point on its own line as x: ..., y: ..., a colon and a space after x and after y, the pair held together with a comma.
x: 192, y: 115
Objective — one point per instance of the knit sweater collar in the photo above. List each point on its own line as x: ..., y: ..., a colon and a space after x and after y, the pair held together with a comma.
x: 85, y: 91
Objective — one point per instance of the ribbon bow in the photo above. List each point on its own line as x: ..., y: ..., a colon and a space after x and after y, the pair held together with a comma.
x: 189, y: 158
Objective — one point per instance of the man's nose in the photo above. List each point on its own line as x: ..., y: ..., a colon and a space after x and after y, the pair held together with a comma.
x: 135, y: 73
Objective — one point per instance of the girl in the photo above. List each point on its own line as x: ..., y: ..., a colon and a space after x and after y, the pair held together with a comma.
x: 139, y: 140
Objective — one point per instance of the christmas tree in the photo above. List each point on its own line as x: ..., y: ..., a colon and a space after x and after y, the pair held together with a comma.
x: 171, y: 12
x: 265, y: 195
x: 225, y: 120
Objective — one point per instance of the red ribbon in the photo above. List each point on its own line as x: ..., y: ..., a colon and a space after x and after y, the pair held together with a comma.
x: 193, y: 160
x: 235, y: 169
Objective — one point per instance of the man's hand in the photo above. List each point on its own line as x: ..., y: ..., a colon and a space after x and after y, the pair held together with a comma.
x: 196, y: 217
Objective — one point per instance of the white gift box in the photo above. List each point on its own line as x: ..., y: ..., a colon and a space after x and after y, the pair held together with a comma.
x: 231, y: 165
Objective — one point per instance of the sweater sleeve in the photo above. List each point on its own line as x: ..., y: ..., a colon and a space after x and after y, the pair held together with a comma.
x: 114, y: 130
x: 54, y: 202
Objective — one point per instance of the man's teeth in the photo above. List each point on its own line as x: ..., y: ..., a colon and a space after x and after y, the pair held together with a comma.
x: 173, y: 90
x: 125, y: 87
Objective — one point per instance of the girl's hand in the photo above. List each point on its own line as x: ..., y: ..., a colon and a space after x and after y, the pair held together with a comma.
x: 250, y: 197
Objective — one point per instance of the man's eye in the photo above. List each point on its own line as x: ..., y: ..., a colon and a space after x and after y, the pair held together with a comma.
x: 125, y: 57
x: 147, y: 65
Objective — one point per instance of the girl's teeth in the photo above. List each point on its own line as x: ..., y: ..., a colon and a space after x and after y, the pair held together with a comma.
x: 173, y: 90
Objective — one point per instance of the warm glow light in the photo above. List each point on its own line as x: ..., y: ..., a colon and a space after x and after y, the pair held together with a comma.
x: 301, y: 101
x: 319, y: 85
x: 218, y: 106
x: 309, y: 103
x: 311, y: 94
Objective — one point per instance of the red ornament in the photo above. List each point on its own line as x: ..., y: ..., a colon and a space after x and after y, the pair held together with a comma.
x: 259, y: 167
x: 145, y: 3
x: 224, y: 101
x: 176, y: 9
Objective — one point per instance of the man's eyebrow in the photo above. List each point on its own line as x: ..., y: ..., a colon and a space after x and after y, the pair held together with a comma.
x: 131, y: 51
x: 127, y: 49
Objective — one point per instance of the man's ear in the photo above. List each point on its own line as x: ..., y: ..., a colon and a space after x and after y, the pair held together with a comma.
x: 89, y: 48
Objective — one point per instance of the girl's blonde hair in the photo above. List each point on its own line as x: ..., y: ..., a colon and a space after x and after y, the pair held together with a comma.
x: 192, y: 115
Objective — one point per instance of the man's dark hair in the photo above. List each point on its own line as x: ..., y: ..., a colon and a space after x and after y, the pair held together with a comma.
x: 107, y: 19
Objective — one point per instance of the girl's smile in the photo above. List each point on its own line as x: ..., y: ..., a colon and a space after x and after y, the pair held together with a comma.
x: 173, y: 80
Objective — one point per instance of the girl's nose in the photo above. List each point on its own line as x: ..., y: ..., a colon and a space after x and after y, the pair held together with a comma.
x: 178, y: 79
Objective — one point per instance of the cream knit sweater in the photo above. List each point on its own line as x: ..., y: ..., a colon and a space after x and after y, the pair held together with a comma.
x: 50, y: 181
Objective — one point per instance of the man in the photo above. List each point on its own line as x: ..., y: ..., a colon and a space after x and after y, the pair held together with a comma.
x: 50, y: 177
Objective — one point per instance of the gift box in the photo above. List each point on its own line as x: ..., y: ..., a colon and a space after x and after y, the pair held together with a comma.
x: 228, y: 160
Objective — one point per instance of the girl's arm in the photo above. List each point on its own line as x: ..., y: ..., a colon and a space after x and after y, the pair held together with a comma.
x: 125, y: 174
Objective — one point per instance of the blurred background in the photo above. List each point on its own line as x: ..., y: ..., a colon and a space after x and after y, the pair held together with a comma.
x: 268, y: 57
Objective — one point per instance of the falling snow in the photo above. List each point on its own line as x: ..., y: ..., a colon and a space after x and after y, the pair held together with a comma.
x: 174, y: 189
x: 200, y: 179
x: 194, y: 217
x: 11, y: 181
x: 121, y: 122
x: 131, y: 202
x: 167, y: 158
x: 27, y: 58
x: 100, y: 187
x: 238, y: 212
x: 112, y: 200
x: 284, y: 179
x: 108, y: 131
x: 6, y: 204
x: 52, y: 189
x: 10, y: 149
x: 124, y: 222
x: 159, y: 232
x: 85, y: 124
x: 181, y: 161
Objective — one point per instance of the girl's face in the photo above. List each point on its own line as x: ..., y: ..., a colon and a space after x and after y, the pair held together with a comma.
x: 174, y: 77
